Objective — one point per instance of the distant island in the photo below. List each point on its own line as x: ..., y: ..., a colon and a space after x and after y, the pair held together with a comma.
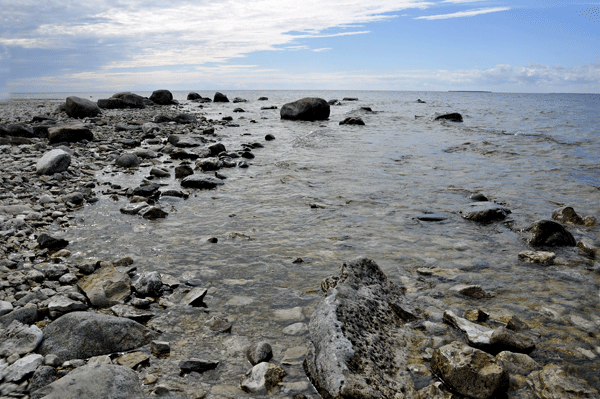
x: 468, y: 91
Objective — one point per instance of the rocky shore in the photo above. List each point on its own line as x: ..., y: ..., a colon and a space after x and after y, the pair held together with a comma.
x: 71, y: 329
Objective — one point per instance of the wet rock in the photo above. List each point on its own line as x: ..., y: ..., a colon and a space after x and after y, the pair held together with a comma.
x: 517, y: 363
x: 149, y: 283
x: 469, y: 371
x: 70, y: 133
x: 220, y: 98
x: 77, y: 107
x: 269, y: 107
x: 238, y: 110
x: 183, y: 170
x: 79, y: 335
x: 42, y: 377
x: 307, y: 109
x: 431, y: 217
x: 46, y: 241
x: 195, y: 297
x: 239, y: 100
x: 549, y: 233
x: 476, y: 335
x: 263, y: 378
x: 554, y: 382
x: 216, y: 149
x: 133, y: 208
x: 106, y: 286
x: 357, y: 344
x: 352, y: 121
x: 472, y: 291
x: 23, y: 368
x: 475, y: 315
x: 567, y: 214
x: 505, y: 339
x: 98, y: 381
x: 146, y: 190
x: 452, y: 117
x: 162, y: 119
x: 160, y: 349
x: 19, y: 339
x: 517, y: 324
x: 55, y: 161
x: 269, y: 137
x: 263, y: 99
x: 128, y: 160
x: 484, y: 212
x: 588, y: 249
x: 219, y: 325
x: 158, y: 172
x: 183, y: 154
x: 197, y: 365
x: 478, y: 197
x: 259, y: 352
x: 185, y: 119
x: 201, y: 182
x: 209, y: 164
x: 145, y: 153
x: 161, y: 97
x: 542, y: 257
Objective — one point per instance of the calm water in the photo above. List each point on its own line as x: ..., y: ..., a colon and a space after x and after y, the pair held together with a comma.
x: 531, y: 152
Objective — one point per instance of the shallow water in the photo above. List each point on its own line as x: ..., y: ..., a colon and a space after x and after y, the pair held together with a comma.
x: 328, y: 193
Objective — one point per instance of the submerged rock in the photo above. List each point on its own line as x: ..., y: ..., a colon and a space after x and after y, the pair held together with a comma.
x: 357, y: 344
x: 201, y: 182
x: 549, y: 233
x: 453, y: 117
x: 307, y: 109
x: 553, y: 382
x: 484, y: 212
x: 352, y: 121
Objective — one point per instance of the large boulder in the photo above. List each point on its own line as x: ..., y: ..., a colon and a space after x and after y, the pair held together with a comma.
x: 470, y: 372
x: 220, y: 98
x: 162, y: 97
x: 77, y: 107
x: 357, y: 345
x: 79, y: 335
x: 55, y: 161
x: 97, y: 381
x: 69, y: 133
x: 306, y: 109
x: 549, y: 233
x: 106, y: 286
x: 123, y: 100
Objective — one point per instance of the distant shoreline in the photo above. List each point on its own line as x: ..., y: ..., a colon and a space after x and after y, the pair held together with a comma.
x: 468, y: 91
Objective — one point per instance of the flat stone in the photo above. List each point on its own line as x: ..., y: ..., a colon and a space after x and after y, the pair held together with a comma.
x: 23, y: 367
x: 484, y: 212
x: 106, y: 286
x: 201, y: 182
x: 505, y: 339
x: 133, y: 360
x: 197, y: 365
x: 130, y: 312
x: 60, y: 304
x: 476, y: 335
x: 541, y: 257
x: 517, y: 363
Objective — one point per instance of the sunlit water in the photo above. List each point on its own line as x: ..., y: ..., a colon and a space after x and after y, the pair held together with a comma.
x: 328, y: 193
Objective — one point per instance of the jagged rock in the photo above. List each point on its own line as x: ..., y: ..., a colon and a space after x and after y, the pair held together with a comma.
x: 484, y: 212
x: 77, y: 107
x: 7, y: 307
x: 69, y: 133
x: 220, y: 98
x: 55, y: 161
x: 98, y: 381
x: 183, y: 170
x: 549, y: 233
x: 160, y: 349
x: 17, y: 130
x: 307, y: 109
x: 79, y: 335
x: 469, y: 371
x: 201, y: 182
x: 106, y: 286
x: 19, y: 339
x: 133, y: 360
x: 263, y: 378
x: 567, y: 214
x: 259, y: 352
x: 476, y: 335
x: 553, y: 382
x: 161, y: 97
x: 357, y: 342
x: 195, y: 297
x: 588, y: 248
x: 149, y: 283
x: 453, y: 117
x: 27, y: 315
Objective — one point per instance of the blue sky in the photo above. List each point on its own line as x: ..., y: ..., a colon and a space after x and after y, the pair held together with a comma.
x: 498, y: 45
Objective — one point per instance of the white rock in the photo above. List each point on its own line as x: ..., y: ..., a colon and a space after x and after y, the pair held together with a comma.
x: 23, y: 367
x: 55, y: 161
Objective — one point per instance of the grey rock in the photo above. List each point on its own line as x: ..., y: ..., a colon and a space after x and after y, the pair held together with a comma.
x: 478, y: 197
x: 259, y: 352
x: 358, y: 341
x: 263, y: 378
x: 98, y: 381
x: 158, y: 172
x: 23, y: 367
x: 69, y: 133
x: 27, y: 315
x: 17, y: 130
x: 77, y: 107
x: 55, y: 161
x: 185, y: 119
x: 46, y: 241
x: 19, y: 339
x: 195, y: 297
x: 160, y: 349
x: 60, y: 304
x: 128, y: 160
x: 79, y: 335
x: 149, y: 283
x: 541, y: 257
x: 567, y: 214
x: 106, y: 286
x: 307, y: 109
x: 216, y: 149
x: 197, y: 365
x: 553, y: 382
x: 161, y: 97
x: 54, y: 271
x: 153, y: 212
x: 42, y: 377
x: 76, y: 198
x: 133, y: 208
x: 219, y: 325
x: 517, y: 363
x: 469, y: 371
x: 145, y: 153
x: 6, y: 307
x: 209, y: 164
x: 201, y: 182
x: 476, y: 335
x: 549, y: 233
x: 484, y: 212
x: 505, y: 339
x: 220, y: 98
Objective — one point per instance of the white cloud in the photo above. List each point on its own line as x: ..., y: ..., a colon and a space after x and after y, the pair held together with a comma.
x: 320, y: 50
x: 462, y: 14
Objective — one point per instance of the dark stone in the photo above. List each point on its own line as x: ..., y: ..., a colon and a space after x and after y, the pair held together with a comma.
x: 133, y: 101
x: 269, y: 137
x: 453, y: 117
x: 504, y: 339
x: 182, y: 154
x: 484, y: 212
x: 263, y: 99
x: 17, y: 130
x: 567, y: 214
x: 185, y: 119
x: 352, y: 121
x: 194, y: 96
x: 269, y: 107
x: 243, y: 165
x: 197, y: 365
x: 549, y: 233
x: 213, y: 240
x: 216, y: 149
x: 259, y: 352
x: 366, y: 109
x: 419, y: 101
x: 128, y: 160
x: 220, y: 98
x: 307, y: 109
x: 183, y: 170
x: 201, y: 182
x: 77, y: 107
x: 161, y: 97
x: 75, y: 198
x: 69, y: 133
x: 79, y: 335
x: 147, y: 190
x: 478, y: 197
x: 247, y: 155
x: 43, y: 376
x: 44, y: 119
x: 239, y: 100
x: 238, y: 110
x: 46, y: 241
x: 27, y: 316
x: 162, y: 119
x: 349, y: 99
x: 432, y: 217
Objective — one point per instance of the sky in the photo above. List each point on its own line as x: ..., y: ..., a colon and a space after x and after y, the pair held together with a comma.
x: 527, y: 46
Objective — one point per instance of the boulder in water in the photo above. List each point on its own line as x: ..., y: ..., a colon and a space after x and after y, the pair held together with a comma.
x: 549, y: 233
x: 161, y: 97
x: 306, y: 109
